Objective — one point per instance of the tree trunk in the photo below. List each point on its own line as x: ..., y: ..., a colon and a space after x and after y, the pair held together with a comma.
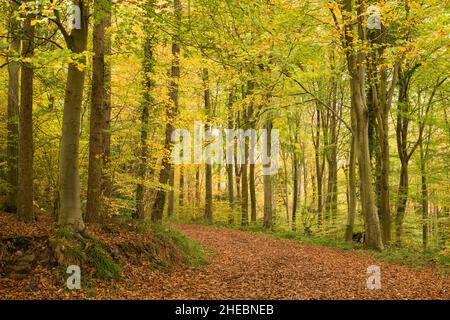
x: 197, y: 187
x: 402, y: 145
x: 230, y: 184
x: 208, y: 165
x: 424, y: 194
x: 147, y: 101
x: 12, y: 151
x: 107, y: 181
x: 402, y: 197
x: 229, y: 166
x: 319, y: 169
x: 267, y: 180
x: 355, y: 65
x: 171, y: 199
x: 244, y: 185
x: 295, y: 183
x: 385, y: 210
x: 252, y: 193
x: 25, y: 210
x: 351, y: 187
x: 181, y: 187
x: 94, y: 210
x: 368, y: 203
x: 70, y: 202
x: 171, y: 111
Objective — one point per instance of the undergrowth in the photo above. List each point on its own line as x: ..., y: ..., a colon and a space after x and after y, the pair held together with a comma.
x: 192, y: 252
x: 90, y: 253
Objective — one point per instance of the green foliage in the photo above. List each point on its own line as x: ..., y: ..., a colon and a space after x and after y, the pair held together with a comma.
x: 88, y: 252
x: 105, y: 267
x: 415, y: 259
x: 63, y: 232
x: 192, y: 251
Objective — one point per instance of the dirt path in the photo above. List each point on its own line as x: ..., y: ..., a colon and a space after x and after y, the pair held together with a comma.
x: 252, y: 266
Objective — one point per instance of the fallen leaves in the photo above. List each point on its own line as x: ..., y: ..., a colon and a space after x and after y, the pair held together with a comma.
x: 242, y: 266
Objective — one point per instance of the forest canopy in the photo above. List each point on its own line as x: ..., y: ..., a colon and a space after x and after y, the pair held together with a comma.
x: 92, y: 92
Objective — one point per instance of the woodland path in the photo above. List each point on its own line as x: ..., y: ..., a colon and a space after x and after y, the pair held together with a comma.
x: 245, y: 265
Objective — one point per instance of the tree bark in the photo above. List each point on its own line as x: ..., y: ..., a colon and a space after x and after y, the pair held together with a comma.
x: 424, y: 193
x: 171, y: 111
x: 267, y: 180
x: 147, y: 101
x: 295, y: 183
x: 70, y: 202
x: 208, y: 165
x: 12, y: 150
x: 107, y: 181
x: 320, y: 165
x: 171, y: 198
x: 351, y: 185
x: 94, y: 205
x: 252, y: 193
x: 355, y: 64
x: 25, y: 207
x: 229, y: 166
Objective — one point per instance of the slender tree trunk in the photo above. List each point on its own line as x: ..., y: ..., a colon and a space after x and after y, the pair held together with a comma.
x: 94, y: 210
x: 171, y: 198
x: 70, y: 202
x: 295, y: 184
x: 229, y: 166
x: 147, y: 101
x: 424, y: 194
x: 107, y: 181
x: 244, y: 180
x: 237, y: 167
x: 181, y: 194
x: 285, y: 194
x: 402, y: 198
x: 238, y: 174
x: 331, y: 157
x: 385, y: 210
x: 12, y: 151
x: 208, y: 165
x: 140, y: 188
x: 171, y: 111
x: 319, y: 170
x: 267, y: 180
x: 25, y: 210
x: 252, y: 193
x: 230, y: 184
x: 197, y: 187
x: 351, y: 187
x: 402, y: 145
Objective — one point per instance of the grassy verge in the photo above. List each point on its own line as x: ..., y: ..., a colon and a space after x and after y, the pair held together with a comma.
x: 191, y: 250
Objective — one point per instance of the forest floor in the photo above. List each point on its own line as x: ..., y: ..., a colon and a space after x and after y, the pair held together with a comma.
x: 244, y: 265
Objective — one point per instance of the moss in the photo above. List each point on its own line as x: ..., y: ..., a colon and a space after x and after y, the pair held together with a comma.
x: 191, y: 250
x: 105, y: 267
x: 64, y: 232
x: 76, y: 254
x: 91, y: 293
